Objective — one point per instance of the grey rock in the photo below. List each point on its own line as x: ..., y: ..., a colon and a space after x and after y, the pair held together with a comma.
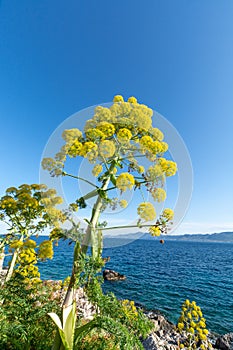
x: 150, y: 343
x: 225, y: 342
x: 111, y: 275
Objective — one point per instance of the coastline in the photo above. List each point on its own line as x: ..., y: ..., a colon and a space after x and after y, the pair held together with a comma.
x: 164, y: 336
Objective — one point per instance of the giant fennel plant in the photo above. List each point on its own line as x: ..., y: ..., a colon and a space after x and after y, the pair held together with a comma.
x: 26, y: 211
x: 114, y: 141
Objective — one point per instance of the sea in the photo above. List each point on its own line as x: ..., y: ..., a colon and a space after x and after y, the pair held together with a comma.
x: 162, y: 276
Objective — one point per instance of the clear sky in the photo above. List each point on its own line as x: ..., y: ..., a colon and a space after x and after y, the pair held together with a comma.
x: 58, y: 57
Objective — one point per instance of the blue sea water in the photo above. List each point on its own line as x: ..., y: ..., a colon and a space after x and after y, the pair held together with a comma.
x: 161, y: 277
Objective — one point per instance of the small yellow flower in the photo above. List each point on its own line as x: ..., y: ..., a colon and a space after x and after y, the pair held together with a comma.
x: 168, y: 214
x: 154, y: 231
x: 169, y: 167
x: 191, y: 330
x: 125, y: 181
x: 202, y: 324
x: 71, y: 135
x: 94, y: 134
x: 30, y: 243
x: 156, y: 134
x: 107, y: 148
x: 118, y: 98
x: 141, y: 169
x: 107, y: 129
x: 45, y: 250
x: 97, y: 170
x: 16, y: 244
x: 146, y: 211
x: 159, y: 194
x: 180, y: 326
x: 123, y: 203
x: 124, y: 135
x: 75, y: 149
x: 132, y: 99
x: 154, y: 173
x: 202, y: 336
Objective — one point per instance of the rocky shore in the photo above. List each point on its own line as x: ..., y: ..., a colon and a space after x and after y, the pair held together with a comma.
x: 164, y: 335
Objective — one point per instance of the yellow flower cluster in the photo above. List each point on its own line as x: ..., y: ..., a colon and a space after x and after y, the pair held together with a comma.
x: 168, y: 166
x: 23, y: 203
x: 107, y: 149
x: 141, y: 115
x: 49, y: 201
x: 140, y: 169
x: 191, y: 321
x: 156, y: 134
x: 124, y: 135
x: 71, y: 135
x: 29, y: 243
x: 97, y: 170
x: 155, y: 173
x: 26, y: 265
x: 94, y: 134
x: 146, y: 211
x: 148, y: 144
x: 129, y: 308
x: 125, y: 181
x: 55, y: 167
x: 132, y: 99
x: 168, y: 214
x: 102, y: 114
x: 15, y: 244
x: 123, y: 203
x: 118, y: 98
x: 159, y: 194
x: 107, y: 129
x: 75, y: 149
x: 45, y: 250
x: 154, y: 231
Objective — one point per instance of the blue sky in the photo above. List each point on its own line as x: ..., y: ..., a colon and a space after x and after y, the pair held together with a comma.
x: 59, y: 57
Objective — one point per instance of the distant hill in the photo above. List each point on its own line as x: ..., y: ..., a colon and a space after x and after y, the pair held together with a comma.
x: 210, y: 237
x: 226, y: 237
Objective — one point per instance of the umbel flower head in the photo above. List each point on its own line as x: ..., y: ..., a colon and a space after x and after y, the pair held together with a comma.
x: 193, y: 323
x: 114, y: 140
x: 31, y: 207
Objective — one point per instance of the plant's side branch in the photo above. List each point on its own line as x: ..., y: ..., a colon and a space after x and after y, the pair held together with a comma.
x: 79, y: 178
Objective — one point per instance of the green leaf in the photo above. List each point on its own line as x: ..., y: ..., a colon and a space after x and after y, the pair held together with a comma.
x: 69, y: 325
x: 55, y: 319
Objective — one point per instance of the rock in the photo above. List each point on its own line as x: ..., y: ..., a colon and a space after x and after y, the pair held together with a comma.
x: 225, y: 342
x: 150, y: 343
x: 111, y: 275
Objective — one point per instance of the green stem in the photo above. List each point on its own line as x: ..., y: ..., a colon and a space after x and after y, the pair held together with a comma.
x: 13, y: 261
x: 90, y: 237
x: 125, y: 226
x: 2, y: 257
x: 79, y: 178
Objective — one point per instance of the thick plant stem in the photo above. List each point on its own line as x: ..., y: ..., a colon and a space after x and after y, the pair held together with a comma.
x: 2, y: 257
x: 89, y: 238
x: 13, y: 262
x: 90, y: 233
x: 70, y: 290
